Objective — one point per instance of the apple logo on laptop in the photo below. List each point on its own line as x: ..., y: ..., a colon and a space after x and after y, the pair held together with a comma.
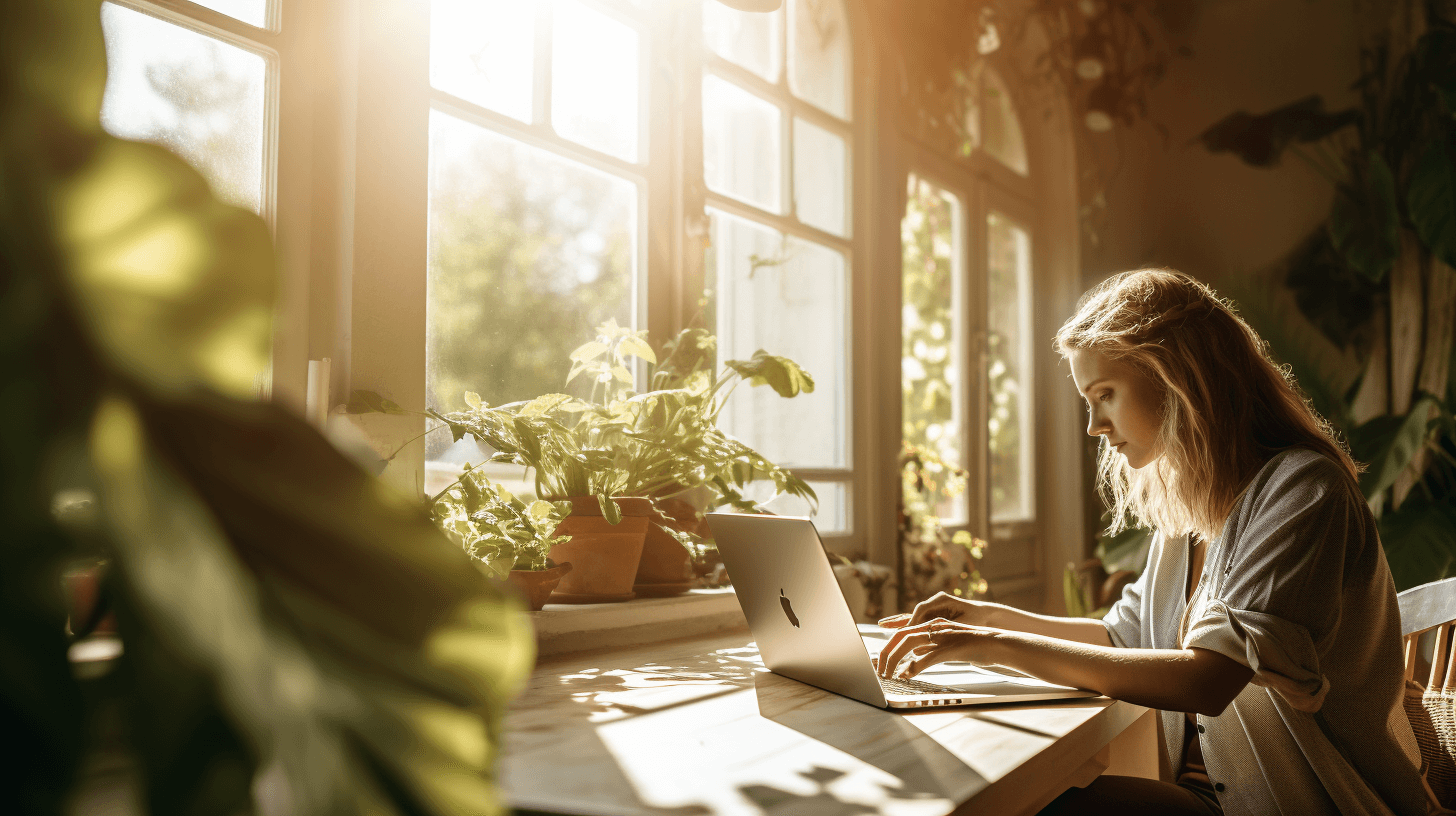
x: 788, y: 609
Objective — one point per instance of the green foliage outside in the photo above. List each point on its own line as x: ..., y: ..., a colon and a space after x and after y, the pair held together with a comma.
x: 527, y: 253
x: 928, y: 337
x: 294, y: 635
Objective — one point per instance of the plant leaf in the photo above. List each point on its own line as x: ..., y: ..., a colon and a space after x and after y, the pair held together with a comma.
x: 1261, y: 139
x: 1364, y: 223
x: 634, y: 345
x: 780, y: 373
x: 1431, y: 197
x: 366, y: 402
x: 1388, y: 443
x: 1420, y: 541
x: 473, y: 400
x: 589, y: 350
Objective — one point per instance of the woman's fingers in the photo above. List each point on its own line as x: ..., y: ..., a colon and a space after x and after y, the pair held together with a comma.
x: 895, y: 621
x: 905, y: 639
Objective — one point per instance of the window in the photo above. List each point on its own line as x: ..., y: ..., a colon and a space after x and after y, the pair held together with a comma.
x: 933, y: 366
x: 203, y: 94
x: 970, y: 342
x: 535, y: 189
x: 777, y: 139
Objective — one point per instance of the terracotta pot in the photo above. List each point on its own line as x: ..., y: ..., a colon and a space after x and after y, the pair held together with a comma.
x: 536, y: 585
x: 604, y: 556
x: 666, y: 567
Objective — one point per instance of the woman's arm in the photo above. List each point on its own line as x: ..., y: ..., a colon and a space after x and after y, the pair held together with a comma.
x: 1194, y: 680
x: 984, y: 613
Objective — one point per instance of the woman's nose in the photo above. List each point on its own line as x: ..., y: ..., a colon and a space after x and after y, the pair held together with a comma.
x: 1095, y: 424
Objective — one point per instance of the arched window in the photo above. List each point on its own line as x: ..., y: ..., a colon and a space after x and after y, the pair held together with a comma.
x: 976, y: 299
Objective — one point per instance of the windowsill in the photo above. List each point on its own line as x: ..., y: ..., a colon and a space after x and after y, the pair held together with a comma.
x: 566, y: 628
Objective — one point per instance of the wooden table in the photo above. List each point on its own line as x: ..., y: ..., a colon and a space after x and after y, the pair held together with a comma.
x: 700, y: 727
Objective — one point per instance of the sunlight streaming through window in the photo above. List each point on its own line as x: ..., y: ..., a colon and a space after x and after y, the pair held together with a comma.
x: 594, y: 80
x: 741, y: 153
x: 482, y: 51
x: 1009, y: 357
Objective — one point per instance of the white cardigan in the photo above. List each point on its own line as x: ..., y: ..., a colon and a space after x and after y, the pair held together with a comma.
x: 1296, y: 587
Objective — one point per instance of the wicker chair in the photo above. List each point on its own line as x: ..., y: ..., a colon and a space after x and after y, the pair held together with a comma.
x: 1432, y: 707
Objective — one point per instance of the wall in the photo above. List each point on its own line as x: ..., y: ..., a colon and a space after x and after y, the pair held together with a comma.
x: 1172, y: 202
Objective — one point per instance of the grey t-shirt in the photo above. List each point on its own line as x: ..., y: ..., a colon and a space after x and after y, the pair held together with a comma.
x: 1296, y: 587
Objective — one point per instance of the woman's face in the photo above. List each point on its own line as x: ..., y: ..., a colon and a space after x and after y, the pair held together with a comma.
x: 1123, y: 404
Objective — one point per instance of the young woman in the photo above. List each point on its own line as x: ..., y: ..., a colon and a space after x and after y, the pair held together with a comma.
x: 1265, y: 626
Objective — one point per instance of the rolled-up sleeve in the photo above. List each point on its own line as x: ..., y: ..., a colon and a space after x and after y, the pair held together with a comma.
x: 1276, y: 596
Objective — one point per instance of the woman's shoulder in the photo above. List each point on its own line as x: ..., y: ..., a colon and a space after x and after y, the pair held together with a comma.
x: 1300, y: 478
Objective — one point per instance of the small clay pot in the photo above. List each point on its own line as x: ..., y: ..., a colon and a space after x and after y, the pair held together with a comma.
x: 666, y: 567
x: 536, y: 585
x: 604, y: 556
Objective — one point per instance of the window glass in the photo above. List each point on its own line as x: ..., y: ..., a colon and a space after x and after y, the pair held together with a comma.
x: 252, y: 12
x: 833, y: 514
x: 931, y: 361
x: 196, y: 95
x: 483, y: 52
x: 1000, y: 129
x: 528, y: 252
x: 819, y: 54
x: 594, y: 80
x: 1009, y: 356
x: 748, y: 38
x: 820, y: 167
x: 788, y: 297
x: 741, y: 144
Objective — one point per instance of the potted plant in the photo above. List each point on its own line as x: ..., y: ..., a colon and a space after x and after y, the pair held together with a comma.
x: 624, y: 460
x: 507, y: 537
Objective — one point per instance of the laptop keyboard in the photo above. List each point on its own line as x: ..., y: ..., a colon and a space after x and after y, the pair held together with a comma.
x: 896, y: 685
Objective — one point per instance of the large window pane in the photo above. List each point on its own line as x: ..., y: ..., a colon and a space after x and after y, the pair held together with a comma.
x: 1010, y: 374
x: 819, y: 54
x: 594, y: 80
x: 741, y: 144
x: 820, y: 167
x: 528, y: 252
x: 788, y: 297
x: 252, y: 12
x: 832, y: 516
x: 748, y: 38
x: 482, y: 51
x: 930, y: 353
x: 197, y: 95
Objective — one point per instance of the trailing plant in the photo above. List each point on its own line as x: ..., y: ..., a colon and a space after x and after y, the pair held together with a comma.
x: 929, y: 558
x: 1377, y: 279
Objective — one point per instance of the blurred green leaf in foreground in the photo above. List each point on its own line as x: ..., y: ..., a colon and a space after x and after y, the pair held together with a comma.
x: 297, y: 640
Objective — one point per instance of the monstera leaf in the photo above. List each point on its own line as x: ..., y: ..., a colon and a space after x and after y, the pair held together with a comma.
x: 1261, y: 139
x: 298, y: 639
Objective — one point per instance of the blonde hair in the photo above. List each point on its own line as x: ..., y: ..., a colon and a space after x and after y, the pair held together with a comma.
x: 1227, y: 408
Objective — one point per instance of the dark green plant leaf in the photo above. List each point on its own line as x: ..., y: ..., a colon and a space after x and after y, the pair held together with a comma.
x: 1364, y: 223
x: 1261, y: 139
x: 1339, y: 302
x: 782, y: 374
x: 1431, y: 197
x: 1387, y: 444
x: 1419, y: 541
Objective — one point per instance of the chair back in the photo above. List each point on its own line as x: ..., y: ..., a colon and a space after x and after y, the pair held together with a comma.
x: 1432, y: 708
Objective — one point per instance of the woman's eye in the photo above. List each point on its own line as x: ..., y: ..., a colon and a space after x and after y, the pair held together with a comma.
x: 1104, y: 396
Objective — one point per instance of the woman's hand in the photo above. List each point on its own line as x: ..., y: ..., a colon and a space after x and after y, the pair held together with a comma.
x: 943, y: 606
x: 918, y: 646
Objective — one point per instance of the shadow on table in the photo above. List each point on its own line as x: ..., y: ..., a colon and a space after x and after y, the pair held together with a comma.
x: 883, y: 739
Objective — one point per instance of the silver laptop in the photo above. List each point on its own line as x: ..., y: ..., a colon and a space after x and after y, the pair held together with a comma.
x: 805, y: 631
